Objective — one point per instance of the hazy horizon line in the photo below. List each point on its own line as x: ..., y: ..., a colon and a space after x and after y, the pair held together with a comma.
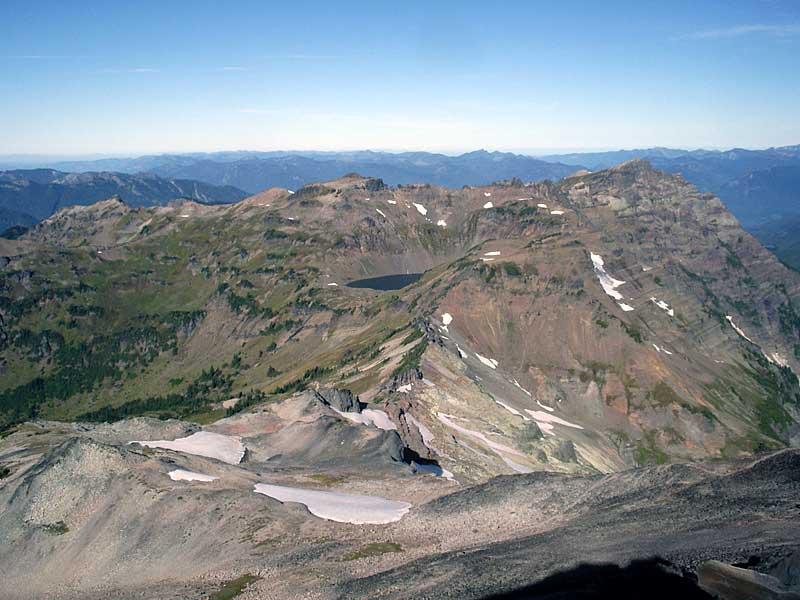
x: 533, y: 151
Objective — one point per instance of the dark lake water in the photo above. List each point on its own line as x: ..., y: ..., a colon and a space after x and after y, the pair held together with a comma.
x: 386, y: 282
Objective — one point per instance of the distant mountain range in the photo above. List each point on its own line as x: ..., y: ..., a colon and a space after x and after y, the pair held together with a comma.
x: 760, y: 186
x: 30, y: 195
x: 257, y: 171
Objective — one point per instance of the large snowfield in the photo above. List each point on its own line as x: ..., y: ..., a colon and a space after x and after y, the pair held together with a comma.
x: 338, y: 506
x: 203, y: 443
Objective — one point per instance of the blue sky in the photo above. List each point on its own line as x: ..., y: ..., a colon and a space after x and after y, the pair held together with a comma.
x: 137, y: 77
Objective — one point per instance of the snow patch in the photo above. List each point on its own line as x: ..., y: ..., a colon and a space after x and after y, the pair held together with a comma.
x: 625, y: 307
x: 736, y: 328
x: 380, y: 212
x: 226, y: 448
x: 489, y: 362
x: 510, y: 409
x: 778, y: 359
x: 183, y: 475
x: 516, y: 383
x: 546, y: 428
x: 337, y: 506
x: 427, y: 434
x: 493, y: 253
x: 392, y: 201
x: 608, y: 283
x: 498, y: 448
x: 461, y: 353
x: 556, y: 212
x: 548, y: 418
x: 488, y: 205
x: 404, y: 389
x: 544, y: 406
x: 447, y: 318
x: 441, y: 223
x: 663, y: 306
x: 334, y: 284
x: 540, y: 205
x: 516, y: 466
x: 420, y: 209
x: 487, y: 194
x: 379, y: 419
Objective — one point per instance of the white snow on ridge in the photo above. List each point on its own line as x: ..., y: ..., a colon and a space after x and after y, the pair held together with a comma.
x: 500, y: 449
x: 380, y: 212
x: 556, y: 212
x: 334, y: 284
x: 379, y: 419
x: 663, y: 306
x: 516, y: 383
x: 337, y: 506
x: 540, y: 205
x: 489, y: 362
x: 625, y: 307
x: 461, y: 353
x: 368, y: 416
x: 516, y: 466
x: 420, y: 209
x: 487, y: 194
x: 441, y: 223
x: 546, y: 428
x: 488, y: 205
x: 548, y: 418
x: 427, y: 434
x: 544, y: 406
x: 736, y: 328
x: 511, y: 409
x: 447, y: 420
x: 660, y: 349
x: 493, y: 253
x: 608, y: 283
x: 392, y: 201
x: 183, y: 475
x: 775, y: 357
x: 447, y: 318
x: 226, y: 448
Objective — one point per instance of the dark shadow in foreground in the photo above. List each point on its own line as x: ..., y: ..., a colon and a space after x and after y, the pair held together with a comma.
x: 648, y: 579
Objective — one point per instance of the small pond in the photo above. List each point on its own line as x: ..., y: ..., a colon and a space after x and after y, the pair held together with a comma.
x: 386, y: 282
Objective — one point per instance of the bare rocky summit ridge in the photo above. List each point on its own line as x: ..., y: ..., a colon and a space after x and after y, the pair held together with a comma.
x: 84, y: 518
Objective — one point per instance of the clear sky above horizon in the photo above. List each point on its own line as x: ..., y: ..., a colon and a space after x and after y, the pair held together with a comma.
x: 123, y: 77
